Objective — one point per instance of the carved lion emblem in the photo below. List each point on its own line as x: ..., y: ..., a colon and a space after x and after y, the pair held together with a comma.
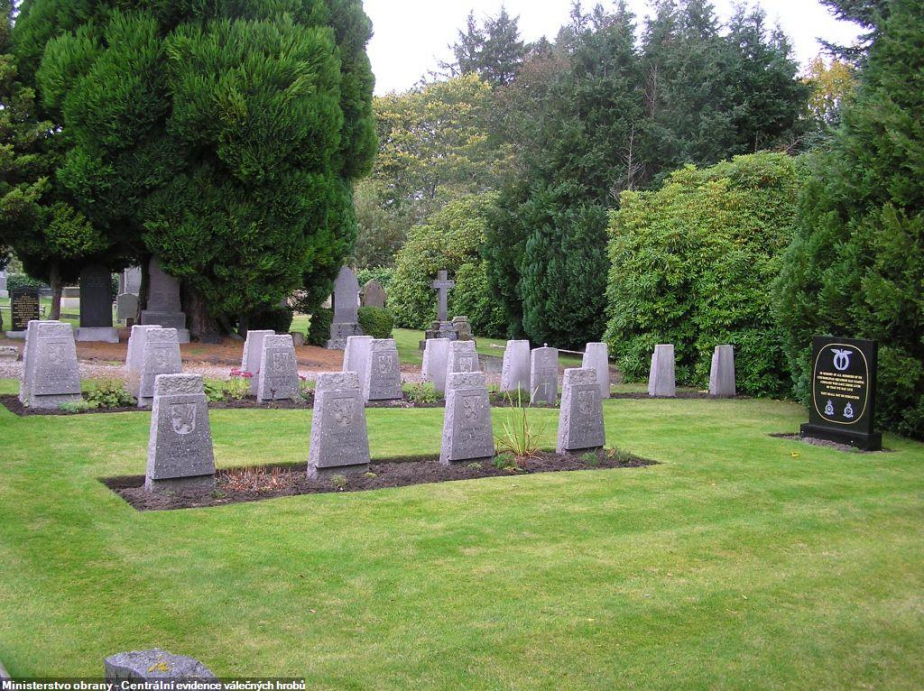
x: 343, y: 411
x: 586, y: 402
x: 183, y: 418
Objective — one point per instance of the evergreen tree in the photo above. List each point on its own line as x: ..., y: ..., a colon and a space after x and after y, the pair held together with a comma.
x: 493, y: 52
x: 856, y: 266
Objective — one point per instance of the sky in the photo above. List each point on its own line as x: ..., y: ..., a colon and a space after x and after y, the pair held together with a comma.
x: 411, y: 37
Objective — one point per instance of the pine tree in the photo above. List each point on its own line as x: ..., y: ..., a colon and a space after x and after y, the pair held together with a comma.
x: 494, y: 52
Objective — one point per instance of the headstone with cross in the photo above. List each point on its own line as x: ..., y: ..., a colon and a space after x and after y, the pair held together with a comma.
x: 443, y: 285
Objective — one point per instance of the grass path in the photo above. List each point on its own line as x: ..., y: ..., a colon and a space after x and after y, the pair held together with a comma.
x: 742, y: 561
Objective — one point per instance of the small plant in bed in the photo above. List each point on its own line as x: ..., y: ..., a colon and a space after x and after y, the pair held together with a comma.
x: 423, y: 393
x: 109, y: 393
x: 520, y: 436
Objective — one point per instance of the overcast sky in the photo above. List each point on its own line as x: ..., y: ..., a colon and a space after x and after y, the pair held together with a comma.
x: 412, y: 36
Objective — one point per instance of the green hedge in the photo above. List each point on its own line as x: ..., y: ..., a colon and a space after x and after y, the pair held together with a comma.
x: 377, y: 322
x: 319, y: 329
x: 16, y: 281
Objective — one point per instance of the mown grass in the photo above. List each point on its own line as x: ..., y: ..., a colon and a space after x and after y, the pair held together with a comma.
x: 741, y: 561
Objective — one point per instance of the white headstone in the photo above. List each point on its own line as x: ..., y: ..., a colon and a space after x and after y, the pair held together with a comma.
x: 382, y: 374
x: 436, y: 352
x: 580, y: 418
x: 253, y: 355
x: 597, y: 358
x: 467, y: 432
x: 543, y: 375
x: 159, y: 355
x: 462, y: 358
x: 339, y: 441
x: 278, y: 378
x: 515, y: 371
x: 356, y: 356
x: 722, y: 374
x: 50, y: 374
x: 661, y: 378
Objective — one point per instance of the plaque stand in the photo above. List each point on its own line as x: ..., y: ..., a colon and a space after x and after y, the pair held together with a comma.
x: 859, y: 440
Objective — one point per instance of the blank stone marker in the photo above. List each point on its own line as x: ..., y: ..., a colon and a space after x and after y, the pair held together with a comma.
x: 278, y: 378
x: 515, y: 372
x: 661, y: 378
x: 382, y: 373
x: 50, y: 374
x: 253, y: 354
x: 462, y: 358
x: 543, y: 375
x: 180, y: 452
x: 467, y: 432
x: 580, y: 418
x: 722, y: 374
x: 161, y: 355
x: 356, y: 355
x: 597, y: 357
x: 436, y: 355
x: 339, y: 442
x: 134, y: 352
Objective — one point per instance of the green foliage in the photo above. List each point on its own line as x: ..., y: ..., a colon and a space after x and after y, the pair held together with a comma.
x: 214, y: 390
x: 473, y: 298
x: 521, y: 433
x: 692, y: 265
x: 339, y: 481
x: 279, y: 319
x: 110, y: 393
x: 423, y: 392
x: 237, y: 388
x: 506, y: 461
x: 377, y: 322
x: 16, y: 281
x: 856, y: 265
x: 319, y: 328
x: 79, y: 406
x: 383, y: 274
x: 493, y: 52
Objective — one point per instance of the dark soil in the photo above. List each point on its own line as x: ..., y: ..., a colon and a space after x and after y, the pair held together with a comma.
x: 680, y: 394
x: 12, y: 404
x: 236, y: 485
x: 827, y: 443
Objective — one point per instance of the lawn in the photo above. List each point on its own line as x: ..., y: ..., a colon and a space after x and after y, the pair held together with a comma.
x: 741, y: 561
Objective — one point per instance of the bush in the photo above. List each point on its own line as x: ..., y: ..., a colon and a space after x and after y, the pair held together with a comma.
x: 377, y: 322
x: 319, y: 329
x: 16, y: 281
x: 110, y: 393
x: 692, y: 265
x: 474, y: 299
x: 383, y: 274
x: 279, y: 319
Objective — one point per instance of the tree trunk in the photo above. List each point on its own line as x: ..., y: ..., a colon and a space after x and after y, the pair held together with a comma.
x: 143, y: 289
x: 197, y: 315
x: 57, y: 288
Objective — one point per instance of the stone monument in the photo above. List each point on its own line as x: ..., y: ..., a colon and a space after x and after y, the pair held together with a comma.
x: 278, y: 377
x: 661, y: 378
x: 436, y: 354
x: 339, y: 442
x: 382, y: 373
x: 462, y: 358
x: 580, y: 418
x: 126, y: 307
x: 467, y: 432
x: 373, y: 294
x: 70, y: 298
x: 3, y: 291
x: 346, y: 317
x: 722, y: 374
x: 356, y: 356
x: 180, y: 452
x: 597, y: 358
x: 133, y: 355
x: 515, y: 372
x: 253, y: 354
x: 543, y: 375
x: 159, y: 355
x: 130, y: 281
x: 164, y: 306
x: 24, y: 308
x: 50, y: 374
x: 96, y: 306
x: 154, y: 667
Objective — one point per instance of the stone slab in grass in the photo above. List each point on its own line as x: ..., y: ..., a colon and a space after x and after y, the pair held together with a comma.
x: 467, y: 432
x: 580, y: 419
x: 339, y: 440
x: 154, y: 666
x: 278, y: 377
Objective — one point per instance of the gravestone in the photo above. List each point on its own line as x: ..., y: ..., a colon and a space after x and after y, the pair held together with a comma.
x: 346, y: 317
x: 96, y: 306
x: 543, y: 375
x: 462, y: 358
x: 3, y: 289
x: 515, y: 372
x: 462, y: 328
x: 133, y: 356
x: 70, y: 298
x: 159, y: 355
x: 164, y: 306
x: 339, y: 441
x: 382, y: 374
x: 126, y: 307
x: 437, y: 354
x: 130, y: 281
x: 278, y: 378
x: 661, y: 378
x: 180, y: 452
x: 9, y: 353
x: 356, y: 356
x: 24, y: 308
x: 253, y: 355
x: 50, y: 374
x: 843, y: 404
x: 597, y: 358
x: 722, y: 373
x: 374, y: 294
x: 467, y: 432
x: 580, y: 419
x: 298, y: 338
x: 443, y: 285
x: 155, y: 667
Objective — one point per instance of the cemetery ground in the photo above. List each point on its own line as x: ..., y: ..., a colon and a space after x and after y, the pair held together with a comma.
x: 740, y: 560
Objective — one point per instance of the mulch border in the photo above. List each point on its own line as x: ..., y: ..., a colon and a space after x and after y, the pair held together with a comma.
x: 826, y: 443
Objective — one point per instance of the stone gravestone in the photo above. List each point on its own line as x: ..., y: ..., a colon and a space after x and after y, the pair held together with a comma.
x: 722, y: 374
x: 443, y: 285
x: 515, y: 371
x: 580, y: 419
x: 50, y: 374
x: 253, y: 354
x: 180, y: 452
x: 661, y: 378
x: 130, y: 281
x: 278, y: 378
x: 374, y: 294
x: 133, y: 356
x: 153, y: 666
x: 436, y: 353
x: 24, y: 308
x: 843, y: 404
x: 462, y: 328
x: 597, y: 358
x: 543, y: 375
x: 164, y: 307
x: 356, y: 356
x: 9, y: 353
x: 382, y: 373
x: 96, y: 306
x: 467, y: 432
x: 3, y: 290
x: 126, y: 307
x: 160, y: 355
x: 462, y: 358
x: 339, y: 442
x: 346, y: 317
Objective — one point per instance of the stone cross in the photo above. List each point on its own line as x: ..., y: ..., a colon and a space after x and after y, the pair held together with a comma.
x: 443, y: 285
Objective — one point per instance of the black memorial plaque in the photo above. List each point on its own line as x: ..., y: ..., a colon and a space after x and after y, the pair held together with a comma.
x: 842, y: 407
x: 24, y: 307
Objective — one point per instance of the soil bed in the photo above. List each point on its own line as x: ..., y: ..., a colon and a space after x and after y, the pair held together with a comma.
x: 256, y: 483
x: 827, y: 443
x: 12, y: 404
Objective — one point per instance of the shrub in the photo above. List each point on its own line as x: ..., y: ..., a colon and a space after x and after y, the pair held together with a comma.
x: 110, y: 393
x: 692, y: 265
x: 383, y: 274
x: 422, y: 392
x: 319, y: 329
x: 237, y: 388
x: 80, y: 406
x: 520, y: 436
x: 377, y: 322
x: 214, y: 391
x: 279, y: 319
x: 16, y: 281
